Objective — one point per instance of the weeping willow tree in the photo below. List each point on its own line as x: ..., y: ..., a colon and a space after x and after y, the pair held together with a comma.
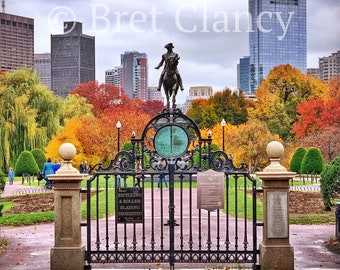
x: 30, y: 115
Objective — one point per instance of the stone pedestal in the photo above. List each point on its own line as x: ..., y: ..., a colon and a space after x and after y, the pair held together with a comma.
x: 68, y: 251
x: 275, y: 249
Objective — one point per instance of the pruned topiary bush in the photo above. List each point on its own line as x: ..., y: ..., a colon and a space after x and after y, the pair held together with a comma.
x: 330, y: 182
x: 296, y: 161
x: 2, y: 181
x: 2, y: 188
x: 26, y: 164
x: 312, y: 161
x: 39, y: 157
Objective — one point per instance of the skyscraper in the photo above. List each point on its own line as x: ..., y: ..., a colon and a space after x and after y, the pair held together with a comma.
x: 16, y: 42
x: 135, y: 74
x: 278, y: 36
x: 72, y: 58
x: 42, y: 65
x: 243, y: 69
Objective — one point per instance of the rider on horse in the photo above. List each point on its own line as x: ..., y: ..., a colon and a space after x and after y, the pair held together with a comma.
x: 165, y: 58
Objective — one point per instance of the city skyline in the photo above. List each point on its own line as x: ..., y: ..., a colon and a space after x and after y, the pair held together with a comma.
x: 210, y: 37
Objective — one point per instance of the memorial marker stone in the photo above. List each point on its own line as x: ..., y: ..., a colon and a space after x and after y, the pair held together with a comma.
x: 277, y: 202
x: 210, y: 194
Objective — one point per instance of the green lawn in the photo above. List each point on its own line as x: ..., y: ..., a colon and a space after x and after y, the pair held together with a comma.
x: 31, y: 218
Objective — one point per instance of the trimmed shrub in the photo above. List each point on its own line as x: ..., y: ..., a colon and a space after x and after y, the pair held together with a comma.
x: 39, y: 157
x: 2, y: 187
x: 2, y: 181
x: 26, y: 164
x: 313, y: 161
x: 330, y: 182
x: 295, y: 162
x: 126, y: 146
x: 196, y: 157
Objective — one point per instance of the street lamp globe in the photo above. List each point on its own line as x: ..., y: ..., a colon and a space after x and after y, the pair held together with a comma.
x: 118, y: 125
x: 223, y: 123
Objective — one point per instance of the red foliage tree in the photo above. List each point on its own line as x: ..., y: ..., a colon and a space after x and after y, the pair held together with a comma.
x: 316, y: 115
x: 334, y: 85
x: 152, y: 107
x: 101, y: 96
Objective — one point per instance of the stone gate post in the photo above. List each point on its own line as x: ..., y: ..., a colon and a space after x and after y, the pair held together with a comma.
x: 275, y: 250
x: 68, y: 252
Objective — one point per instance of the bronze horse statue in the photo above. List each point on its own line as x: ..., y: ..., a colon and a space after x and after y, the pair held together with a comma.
x: 170, y: 82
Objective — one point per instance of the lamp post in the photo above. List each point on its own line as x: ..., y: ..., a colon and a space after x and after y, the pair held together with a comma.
x: 223, y: 123
x: 118, y: 126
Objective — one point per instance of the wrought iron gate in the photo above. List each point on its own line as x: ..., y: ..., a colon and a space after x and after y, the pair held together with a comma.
x: 159, y: 223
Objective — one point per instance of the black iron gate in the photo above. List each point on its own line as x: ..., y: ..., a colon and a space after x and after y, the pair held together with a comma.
x: 162, y: 223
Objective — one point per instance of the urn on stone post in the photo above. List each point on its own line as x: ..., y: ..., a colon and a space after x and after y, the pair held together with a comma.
x: 275, y: 250
x: 68, y: 251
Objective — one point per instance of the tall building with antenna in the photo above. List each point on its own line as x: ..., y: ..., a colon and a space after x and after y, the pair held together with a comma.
x: 16, y: 41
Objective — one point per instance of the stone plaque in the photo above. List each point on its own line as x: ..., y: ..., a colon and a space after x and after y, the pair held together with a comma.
x: 129, y: 205
x: 210, y: 187
x: 277, y: 207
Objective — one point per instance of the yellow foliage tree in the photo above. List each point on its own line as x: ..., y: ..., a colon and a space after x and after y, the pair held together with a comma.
x: 279, y: 94
x: 245, y: 143
x: 68, y: 134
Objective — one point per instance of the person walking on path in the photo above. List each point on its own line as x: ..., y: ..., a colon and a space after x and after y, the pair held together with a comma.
x: 138, y: 168
x: 56, y: 165
x: 11, y: 176
x: 47, y: 170
x: 162, y: 177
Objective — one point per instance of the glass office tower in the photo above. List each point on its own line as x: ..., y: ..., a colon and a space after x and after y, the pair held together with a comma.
x: 278, y: 36
x: 243, y: 75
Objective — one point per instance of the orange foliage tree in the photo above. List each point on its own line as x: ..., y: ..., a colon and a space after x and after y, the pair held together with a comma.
x: 96, y: 139
x: 96, y: 136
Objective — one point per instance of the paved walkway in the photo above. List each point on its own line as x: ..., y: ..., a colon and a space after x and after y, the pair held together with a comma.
x: 18, y: 189
x: 29, y: 246
x: 309, y: 188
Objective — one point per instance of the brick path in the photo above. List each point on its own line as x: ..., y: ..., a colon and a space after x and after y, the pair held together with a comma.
x: 18, y: 189
x: 29, y: 246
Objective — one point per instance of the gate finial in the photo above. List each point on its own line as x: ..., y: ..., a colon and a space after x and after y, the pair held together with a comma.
x: 67, y: 152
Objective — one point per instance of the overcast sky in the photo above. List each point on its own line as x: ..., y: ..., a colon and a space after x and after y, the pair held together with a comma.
x: 209, y: 49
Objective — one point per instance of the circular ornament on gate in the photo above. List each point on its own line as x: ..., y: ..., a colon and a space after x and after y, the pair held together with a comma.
x: 171, y: 141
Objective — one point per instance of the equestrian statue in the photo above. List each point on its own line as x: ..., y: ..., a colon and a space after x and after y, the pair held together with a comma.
x: 170, y: 77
